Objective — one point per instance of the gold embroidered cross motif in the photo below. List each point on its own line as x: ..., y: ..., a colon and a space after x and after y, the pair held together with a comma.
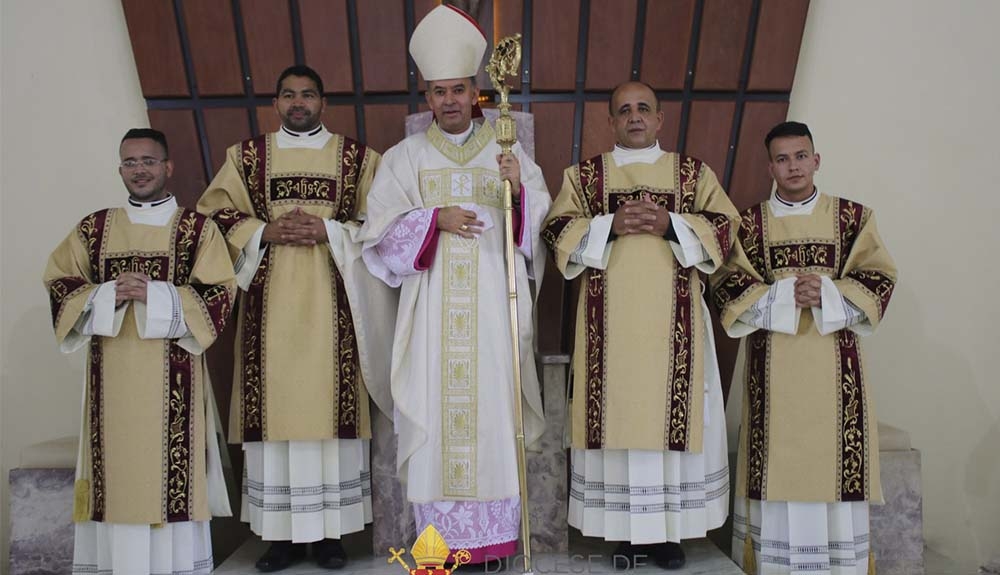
x: 461, y: 186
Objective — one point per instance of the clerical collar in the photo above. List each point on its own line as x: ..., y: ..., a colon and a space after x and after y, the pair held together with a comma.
x: 459, y: 139
x: 302, y: 134
x: 811, y: 198
x: 156, y: 213
x: 624, y: 156
x: 314, y: 139
x: 782, y: 207
x: 148, y: 205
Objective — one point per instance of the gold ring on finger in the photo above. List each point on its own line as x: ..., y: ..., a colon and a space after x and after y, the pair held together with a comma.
x: 464, y: 228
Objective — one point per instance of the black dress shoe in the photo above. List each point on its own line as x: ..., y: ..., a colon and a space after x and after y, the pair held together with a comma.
x: 329, y: 554
x: 624, y: 557
x: 669, y: 556
x: 280, y: 555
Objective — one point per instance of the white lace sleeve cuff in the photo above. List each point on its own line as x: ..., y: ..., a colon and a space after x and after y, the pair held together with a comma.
x: 774, y: 311
x: 162, y: 316
x: 594, y: 249
x: 249, y: 260
x: 688, y: 249
x: 836, y: 313
x: 397, y: 253
x: 85, y: 324
x: 105, y: 318
x: 334, y: 237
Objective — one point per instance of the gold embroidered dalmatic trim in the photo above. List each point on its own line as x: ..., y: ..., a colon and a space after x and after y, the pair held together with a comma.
x: 465, y: 153
x: 447, y: 187
x: 459, y: 381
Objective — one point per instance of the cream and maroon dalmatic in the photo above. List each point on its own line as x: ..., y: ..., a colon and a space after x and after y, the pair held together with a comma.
x: 638, y: 370
x: 143, y: 456
x: 809, y: 426
x: 314, y: 389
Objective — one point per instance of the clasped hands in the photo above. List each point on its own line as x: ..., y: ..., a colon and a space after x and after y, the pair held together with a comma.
x: 131, y: 286
x: 808, y: 291
x: 642, y: 216
x: 465, y: 223
x: 295, y: 228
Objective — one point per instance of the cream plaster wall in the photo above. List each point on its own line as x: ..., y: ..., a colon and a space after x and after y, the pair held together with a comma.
x: 901, y: 96
x: 69, y: 92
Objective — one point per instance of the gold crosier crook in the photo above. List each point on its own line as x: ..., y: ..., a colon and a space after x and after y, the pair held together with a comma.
x: 506, y: 61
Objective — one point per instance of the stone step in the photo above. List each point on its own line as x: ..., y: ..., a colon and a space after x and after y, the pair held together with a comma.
x: 704, y: 558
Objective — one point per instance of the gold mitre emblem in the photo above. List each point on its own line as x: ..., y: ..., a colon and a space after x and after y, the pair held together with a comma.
x: 430, y: 553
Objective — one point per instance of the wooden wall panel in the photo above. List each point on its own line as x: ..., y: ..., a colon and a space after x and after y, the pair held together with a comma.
x: 223, y: 128
x: 385, y: 125
x: 598, y: 137
x: 666, y: 43
x: 341, y: 120
x: 709, y: 126
x: 421, y: 8
x: 720, y: 48
x: 553, y: 140
x: 268, y: 27
x: 553, y: 153
x: 484, y: 17
x: 267, y: 119
x: 188, y: 180
x: 214, y: 54
x: 326, y: 43
x: 552, y: 331
x: 776, y: 45
x: 751, y: 183
x: 382, y: 31
x: 671, y: 129
x: 610, y: 43
x: 508, y: 18
x: 555, y: 28
x: 156, y: 47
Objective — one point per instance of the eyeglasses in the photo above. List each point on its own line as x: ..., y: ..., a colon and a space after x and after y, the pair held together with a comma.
x: 131, y: 164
